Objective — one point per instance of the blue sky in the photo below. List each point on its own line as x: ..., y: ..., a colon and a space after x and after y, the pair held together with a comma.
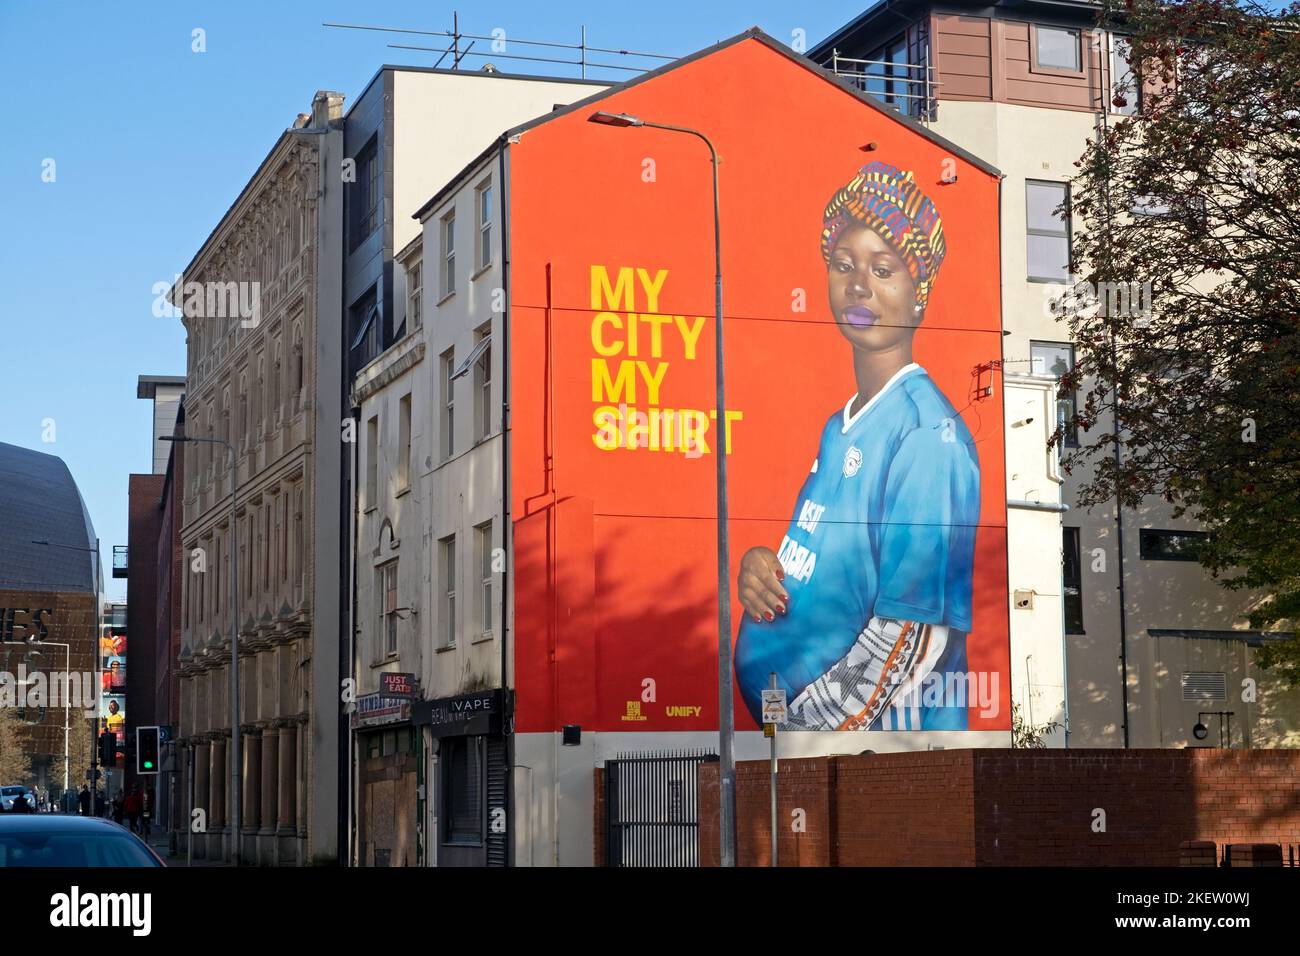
x: 151, y: 142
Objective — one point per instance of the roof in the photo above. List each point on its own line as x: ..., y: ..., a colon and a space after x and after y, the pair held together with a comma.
x: 146, y: 386
x: 39, y: 501
x: 753, y: 33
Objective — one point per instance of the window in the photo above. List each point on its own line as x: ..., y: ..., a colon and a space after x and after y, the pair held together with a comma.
x: 274, y: 410
x: 225, y: 430
x: 1056, y: 50
x: 363, y: 195
x: 447, y: 554
x: 1072, y: 581
x: 404, y: 443
x: 448, y: 402
x: 483, y: 200
x: 483, y: 384
x: 243, y: 412
x: 258, y: 390
x: 448, y: 254
x: 284, y: 536
x: 1156, y: 545
x: 414, y: 295
x: 387, y: 589
x: 298, y: 369
x: 1048, y: 232
x: 1125, y: 91
x: 461, y: 763
x: 372, y: 463
x: 366, y: 328
x: 483, y: 560
x: 1055, y: 359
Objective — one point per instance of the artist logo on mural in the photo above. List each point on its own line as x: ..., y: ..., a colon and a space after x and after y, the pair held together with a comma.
x: 869, y: 593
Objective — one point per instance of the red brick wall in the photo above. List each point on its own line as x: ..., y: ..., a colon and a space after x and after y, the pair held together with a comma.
x: 906, y: 809
x: 1009, y: 807
x: 1036, y: 807
x: 802, y: 784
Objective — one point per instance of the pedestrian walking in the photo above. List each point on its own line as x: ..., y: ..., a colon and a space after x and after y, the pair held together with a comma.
x: 133, y: 806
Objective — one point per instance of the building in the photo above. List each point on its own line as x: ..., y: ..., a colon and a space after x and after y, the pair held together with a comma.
x: 560, y: 584
x: 49, y: 582
x: 166, y: 392
x: 410, y: 131
x: 152, y: 567
x: 1153, y: 643
x: 260, y: 303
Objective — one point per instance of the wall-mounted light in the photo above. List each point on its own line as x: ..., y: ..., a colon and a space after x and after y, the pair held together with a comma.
x: 572, y: 735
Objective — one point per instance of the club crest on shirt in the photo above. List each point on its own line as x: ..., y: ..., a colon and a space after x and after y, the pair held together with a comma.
x: 852, y: 461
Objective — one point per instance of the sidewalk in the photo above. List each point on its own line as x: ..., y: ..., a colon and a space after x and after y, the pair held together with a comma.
x: 159, y: 844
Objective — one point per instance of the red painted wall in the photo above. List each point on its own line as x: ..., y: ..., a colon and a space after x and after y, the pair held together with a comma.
x: 615, y: 549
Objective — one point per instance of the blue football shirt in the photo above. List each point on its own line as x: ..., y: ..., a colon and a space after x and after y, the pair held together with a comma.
x: 884, y: 526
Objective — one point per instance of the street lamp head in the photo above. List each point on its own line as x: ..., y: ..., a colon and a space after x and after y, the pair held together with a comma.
x: 172, y: 438
x: 615, y: 119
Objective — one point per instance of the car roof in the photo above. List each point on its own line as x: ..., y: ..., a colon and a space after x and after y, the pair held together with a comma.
x: 58, y: 822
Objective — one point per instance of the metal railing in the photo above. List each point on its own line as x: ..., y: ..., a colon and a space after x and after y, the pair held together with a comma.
x: 906, y: 87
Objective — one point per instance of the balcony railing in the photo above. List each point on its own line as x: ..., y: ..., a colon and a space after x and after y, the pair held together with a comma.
x: 905, y: 87
x: 119, y: 561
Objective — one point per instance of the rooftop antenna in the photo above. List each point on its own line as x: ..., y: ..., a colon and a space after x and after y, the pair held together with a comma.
x: 458, y: 53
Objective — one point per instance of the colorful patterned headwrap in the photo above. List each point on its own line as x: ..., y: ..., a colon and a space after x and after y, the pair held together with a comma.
x: 888, y: 201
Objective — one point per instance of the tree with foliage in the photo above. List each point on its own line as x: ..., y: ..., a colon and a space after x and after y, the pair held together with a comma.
x: 80, y: 742
x: 15, y: 758
x: 1193, y: 203
x: 1027, y: 736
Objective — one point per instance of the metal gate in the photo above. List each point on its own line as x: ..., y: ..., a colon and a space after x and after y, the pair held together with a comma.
x: 652, y: 808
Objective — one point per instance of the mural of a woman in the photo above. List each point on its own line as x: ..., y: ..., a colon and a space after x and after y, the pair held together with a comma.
x: 869, y: 592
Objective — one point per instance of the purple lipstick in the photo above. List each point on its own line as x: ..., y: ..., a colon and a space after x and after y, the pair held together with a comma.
x: 860, y: 316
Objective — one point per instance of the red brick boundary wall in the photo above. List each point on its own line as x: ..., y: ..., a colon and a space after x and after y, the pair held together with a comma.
x: 1009, y: 807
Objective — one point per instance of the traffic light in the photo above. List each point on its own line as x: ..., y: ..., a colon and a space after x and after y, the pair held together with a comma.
x: 107, y: 749
x: 146, y: 750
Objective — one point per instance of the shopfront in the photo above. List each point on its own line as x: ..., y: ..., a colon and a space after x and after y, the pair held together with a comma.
x: 390, y: 778
x: 468, y: 818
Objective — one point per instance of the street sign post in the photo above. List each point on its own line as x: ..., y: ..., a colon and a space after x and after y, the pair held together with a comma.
x: 774, y: 713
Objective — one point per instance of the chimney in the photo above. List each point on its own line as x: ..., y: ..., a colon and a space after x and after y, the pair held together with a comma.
x: 326, y: 108
x: 304, y: 119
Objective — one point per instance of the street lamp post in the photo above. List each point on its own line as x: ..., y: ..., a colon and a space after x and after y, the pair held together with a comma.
x: 236, y: 797
x: 726, y: 716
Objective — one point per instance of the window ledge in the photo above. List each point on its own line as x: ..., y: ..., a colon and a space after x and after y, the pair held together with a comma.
x: 445, y: 297
x: 483, y: 638
x: 371, y: 510
x: 444, y: 648
x: 385, y: 660
x: 402, y: 493
x: 485, y: 267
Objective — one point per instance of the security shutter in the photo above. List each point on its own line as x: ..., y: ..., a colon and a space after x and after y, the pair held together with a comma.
x: 496, y: 800
x: 1205, y: 685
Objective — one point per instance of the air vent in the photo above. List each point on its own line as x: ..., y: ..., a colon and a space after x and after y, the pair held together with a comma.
x: 1205, y: 685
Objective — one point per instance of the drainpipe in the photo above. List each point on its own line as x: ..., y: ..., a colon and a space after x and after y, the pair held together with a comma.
x: 507, y: 531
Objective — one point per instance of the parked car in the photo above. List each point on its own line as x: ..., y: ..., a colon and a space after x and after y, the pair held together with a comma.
x: 55, y: 839
x: 10, y: 793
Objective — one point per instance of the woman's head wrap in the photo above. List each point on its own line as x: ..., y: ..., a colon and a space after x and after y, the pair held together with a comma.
x: 888, y: 201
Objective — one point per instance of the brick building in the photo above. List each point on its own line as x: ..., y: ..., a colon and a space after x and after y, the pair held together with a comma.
x: 48, y: 585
